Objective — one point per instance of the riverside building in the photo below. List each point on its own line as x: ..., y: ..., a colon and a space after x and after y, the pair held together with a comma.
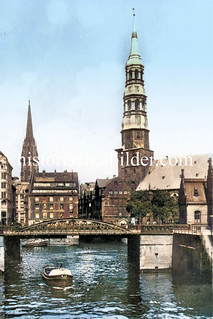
x: 7, y: 192
x: 53, y: 196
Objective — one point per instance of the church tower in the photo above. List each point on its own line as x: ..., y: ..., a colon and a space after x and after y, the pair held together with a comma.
x: 29, y: 155
x: 134, y: 156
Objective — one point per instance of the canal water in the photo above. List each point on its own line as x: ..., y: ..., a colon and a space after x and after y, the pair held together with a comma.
x: 106, y: 285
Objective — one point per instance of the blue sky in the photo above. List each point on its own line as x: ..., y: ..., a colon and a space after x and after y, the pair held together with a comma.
x: 69, y: 58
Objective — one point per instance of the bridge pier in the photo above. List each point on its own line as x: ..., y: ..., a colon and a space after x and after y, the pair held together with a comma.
x: 151, y: 252
x: 12, y: 250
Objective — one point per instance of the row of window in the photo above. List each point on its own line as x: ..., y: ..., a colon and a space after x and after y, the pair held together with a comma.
x: 74, y: 191
x: 111, y: 192
x: 138, y: 135
x: 54, y: 184
x: 49, y: 215
x: 50, y: 206
x: 136, y: 74
x: 136, y: 103
x: 61, y: 199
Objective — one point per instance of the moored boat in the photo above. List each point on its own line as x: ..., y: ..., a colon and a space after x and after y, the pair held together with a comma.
x: 57, y: 275
x: 39, y: 243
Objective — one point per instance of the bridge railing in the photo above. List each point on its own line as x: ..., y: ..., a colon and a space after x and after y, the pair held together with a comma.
x: 193, y: 229
x: 164, y: 228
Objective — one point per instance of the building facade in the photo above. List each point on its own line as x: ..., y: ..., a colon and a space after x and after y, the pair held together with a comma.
x: 86, y: 198
x: 53, y: 196
x: 109, y: 204
x: 7, y: 192
x: 29, y: 155
x: 22, y: 190
x: 134, y: 155
x: 193, y: 200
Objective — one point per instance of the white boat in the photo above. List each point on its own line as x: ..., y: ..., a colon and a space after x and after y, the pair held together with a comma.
x: 57, y: 275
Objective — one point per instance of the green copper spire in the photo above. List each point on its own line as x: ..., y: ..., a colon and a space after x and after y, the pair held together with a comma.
x: 134, y: 56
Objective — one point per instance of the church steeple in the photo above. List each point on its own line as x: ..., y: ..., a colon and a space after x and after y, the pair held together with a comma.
x: 135, y: 133
x: 29, y: 155
x: 29, y: 130
x: 134, y: 51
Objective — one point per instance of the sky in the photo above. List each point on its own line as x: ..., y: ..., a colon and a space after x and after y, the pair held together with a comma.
x: 69, y: 56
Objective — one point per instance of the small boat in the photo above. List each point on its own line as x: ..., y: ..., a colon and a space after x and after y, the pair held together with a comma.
x: 41, y: 243
x: 57, y: 275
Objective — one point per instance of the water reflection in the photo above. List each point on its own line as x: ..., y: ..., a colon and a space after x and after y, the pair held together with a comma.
x: 105, y: 285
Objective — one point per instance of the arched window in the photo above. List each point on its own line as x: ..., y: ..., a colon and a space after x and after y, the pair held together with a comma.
x: 137, y: 104
x: 129, y: 105
x: 136, y: 74
x: 196, y: 192
x: 130, y: 74
x: 197, y: 216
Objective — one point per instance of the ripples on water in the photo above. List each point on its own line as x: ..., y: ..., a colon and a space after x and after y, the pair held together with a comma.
x: 105, y: 286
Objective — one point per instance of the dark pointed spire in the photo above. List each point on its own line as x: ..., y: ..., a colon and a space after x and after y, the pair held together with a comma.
x: 29, y: 155
x: 29, y: 130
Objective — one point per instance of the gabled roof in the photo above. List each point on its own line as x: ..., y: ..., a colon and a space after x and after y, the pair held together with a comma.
x: 2, y: 154
x: 168, y: 177
x: 102, y: 182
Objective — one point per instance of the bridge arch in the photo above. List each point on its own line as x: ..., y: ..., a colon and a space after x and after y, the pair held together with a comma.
x: 73, y: 225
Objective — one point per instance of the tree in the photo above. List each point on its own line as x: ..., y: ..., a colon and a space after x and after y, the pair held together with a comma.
x: 139, y: 204
x: 161, y: 204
